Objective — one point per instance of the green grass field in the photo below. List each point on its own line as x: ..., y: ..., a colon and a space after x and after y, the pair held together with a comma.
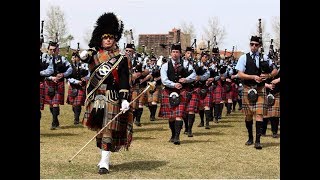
x: 217, y: 153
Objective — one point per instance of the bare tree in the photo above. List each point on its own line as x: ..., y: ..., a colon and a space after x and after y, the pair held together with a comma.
x: 55, y: 23
x: 188, y: 28
x: 214, y: 29
x: 276, y: 30
x: 87, y: 36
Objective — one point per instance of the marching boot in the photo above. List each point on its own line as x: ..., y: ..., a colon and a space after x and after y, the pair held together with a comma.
x: 138, y: 116
x: 257, y: 144
x: 55, y: 121
x: 250, y: 133
x: 229, y: 106
x: 104, y: 162
x: 220, y: 111
x: 186, y: 127
x: 274, y: 126
x: 40, y: 115
x: 211, y: 113
x: 178, y: 126
x: 201, y: 114
x: 207, y: 113
x: 134, y: 114
x: 173, y: 131
x: 234, y: 103
x: 216, y: 110
x: 153, y: 110
x: 77, y: 112
x: 264, y: 126
x: 240, y: 104
x: 191, y: 118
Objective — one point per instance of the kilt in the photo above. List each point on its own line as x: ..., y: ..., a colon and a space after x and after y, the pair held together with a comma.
x: 234, y: 89
x: 193, y: 104
x: 172, y: 112
x: 79, y: 99
x: 154, y: 97
x: 120, y: 127
x: 258, y: 107
x: 42, y: 95
x: 274, y: 111
x: 228, y: 95
x: 207, y: 101
x: 217, y: 93
x: 58, y: 98
x: 136, y: 90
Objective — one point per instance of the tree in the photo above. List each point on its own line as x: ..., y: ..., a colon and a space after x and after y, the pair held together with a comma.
x: 276, y: 30
x: 87, y: 36
x: 55, y: 23
x: 188, y: 28
x: 214, y: 29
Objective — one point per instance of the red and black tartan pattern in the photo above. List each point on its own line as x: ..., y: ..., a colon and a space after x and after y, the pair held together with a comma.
x: 217, y: 93
x: 172, y: 112
x: 42, y: 95
x: 58, y: 98
x: 274, y: 111
x: 229, y: 94
x: 234, y: 89
x: 259, y: 107
x: 118, y: 127
x: 142, y: 100
x: 154, y: 97
x: 207, y: 101
x: 79, y: 99
x: 193, y: 104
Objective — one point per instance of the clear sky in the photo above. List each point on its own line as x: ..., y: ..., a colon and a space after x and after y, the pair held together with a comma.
x: 239, y: 17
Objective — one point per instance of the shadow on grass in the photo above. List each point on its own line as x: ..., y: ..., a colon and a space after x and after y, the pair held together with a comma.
x: 156, y: 122
x: 141, y: 129
x: 270, y: 144
x: 207, y: 133
x: 72, y: 127
x: 221, y: 125
x: 58, y: 134
x: 138, y: 165
x: 194, y: 141
x: 142, y: 138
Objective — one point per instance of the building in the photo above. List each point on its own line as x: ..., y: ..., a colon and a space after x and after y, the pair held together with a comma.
x: 161, y: 43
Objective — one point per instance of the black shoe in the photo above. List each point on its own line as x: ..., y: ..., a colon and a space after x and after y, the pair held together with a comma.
x: 171, y: 139
x: 257, y: 145
x: 190, y: 134
x: 53, y: 128
x: 219, y: 117
x: 249, y: 142
x: 103, y: 171
x: 201, y: 125
x: 76, y: 122
x: 207, y: 127
x: 137, y: 123
x: 263, y: 134
x: 176, y: 142
x: 275, y: 135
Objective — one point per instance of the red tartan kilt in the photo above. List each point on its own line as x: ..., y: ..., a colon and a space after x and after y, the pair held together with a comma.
x: 217, y: 94
x: 42, y: 95
x: 77, y: 100
x: 142, y: 100
x: 193, y: 104
x: 234, y: 93
x: 172, y: 112
x: 207, y: 101
x: 59, y: 96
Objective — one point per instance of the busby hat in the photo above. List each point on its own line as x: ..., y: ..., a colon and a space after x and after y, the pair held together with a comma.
x: 153, y: 57
x: 130, y: 46
x: 107, y: 24
x: 255, y: 39
x: 176, y: 47
x: 76, y: 54
x: 215, y: 50
x: 189, y: 49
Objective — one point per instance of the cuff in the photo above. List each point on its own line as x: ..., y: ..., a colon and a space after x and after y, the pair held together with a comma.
x: 124, y: 94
